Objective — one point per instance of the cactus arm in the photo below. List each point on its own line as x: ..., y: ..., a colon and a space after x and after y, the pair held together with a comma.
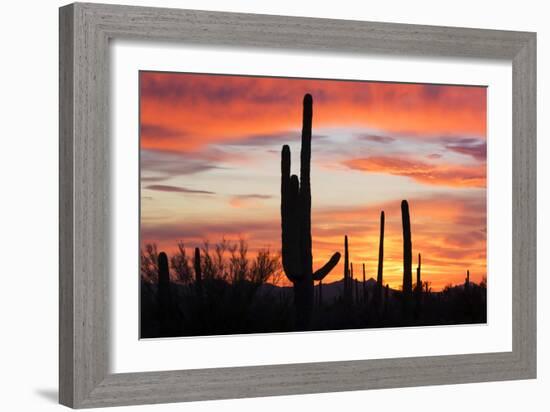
x: 286, y: 209
x: 325, y: 270
x: 285, y: 196
x: 289, y: 218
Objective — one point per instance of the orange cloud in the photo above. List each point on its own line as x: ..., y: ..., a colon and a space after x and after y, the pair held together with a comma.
x: 247, y: 201
x: 184, y: 112
x: 449, y: 231
x: 423, y: 172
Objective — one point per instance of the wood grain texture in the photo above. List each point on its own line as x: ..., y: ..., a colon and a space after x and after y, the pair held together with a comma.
x: 85, y: 31
x: 66, y: 109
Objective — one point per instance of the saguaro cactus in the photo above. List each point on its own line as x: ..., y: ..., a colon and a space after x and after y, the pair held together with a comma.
x: 164, y: 296
x: 380, y: 274
x: 467, y: 281
x: 198, y: 273
x: 407, y: 249
x: 386, y: 298
x: 364, y: 285
x: 418, y: 277
x: 296, y: 224
x: 418, y: 289
x: 346, y: 271
x: 164, y: 274
x: 351, y: 282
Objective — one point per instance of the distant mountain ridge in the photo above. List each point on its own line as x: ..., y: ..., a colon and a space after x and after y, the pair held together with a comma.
x: 334, y: 290
x: 331, y: 291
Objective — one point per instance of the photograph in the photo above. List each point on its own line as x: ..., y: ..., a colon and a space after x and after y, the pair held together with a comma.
x: 277, y: 205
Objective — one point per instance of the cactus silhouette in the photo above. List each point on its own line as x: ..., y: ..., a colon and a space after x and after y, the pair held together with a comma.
x: 467, y: 281
x: 407, y: 249
x: 418, y: 289
x: 296, y: 224
x: 386, y: 298
x: 164, y: 296
x: 418, y: 277
x: 380, y: 274
x: 364, y: 285
x: 346, y: 271
x: 321, y: 292
x: 355, y: 286
x: 351, y: 282
x: 198, y: 273
x: 356, y: 282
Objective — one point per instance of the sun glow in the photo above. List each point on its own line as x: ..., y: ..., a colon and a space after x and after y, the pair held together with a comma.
x: 210, y: 168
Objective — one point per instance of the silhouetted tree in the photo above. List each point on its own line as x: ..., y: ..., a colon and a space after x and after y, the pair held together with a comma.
x: 180, y: 264
x: 149, y: 262
x: 266, y: 266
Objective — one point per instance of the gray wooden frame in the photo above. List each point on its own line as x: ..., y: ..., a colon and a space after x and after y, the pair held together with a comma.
x: 85, y: 31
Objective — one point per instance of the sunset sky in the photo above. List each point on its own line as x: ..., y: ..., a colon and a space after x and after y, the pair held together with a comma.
x: 210, y: 167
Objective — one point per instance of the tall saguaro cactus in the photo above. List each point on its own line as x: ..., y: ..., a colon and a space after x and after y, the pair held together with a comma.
x: 296, y: 224
x: 346, y: 271
x: 386, y: 298
x: 407, y: 249
x: 380, y: 274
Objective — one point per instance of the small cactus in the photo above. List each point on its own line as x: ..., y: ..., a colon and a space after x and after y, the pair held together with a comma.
x: 164, y: 274
x: 347, y: 283
x: 364, y: 285
x: 164, y: 296
x: 198, y: 273
x: 351, y: 282
x: 418, y: 277
x: 418, y: 289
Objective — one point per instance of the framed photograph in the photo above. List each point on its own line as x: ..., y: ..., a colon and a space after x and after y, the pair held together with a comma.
x: 339, y: 205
